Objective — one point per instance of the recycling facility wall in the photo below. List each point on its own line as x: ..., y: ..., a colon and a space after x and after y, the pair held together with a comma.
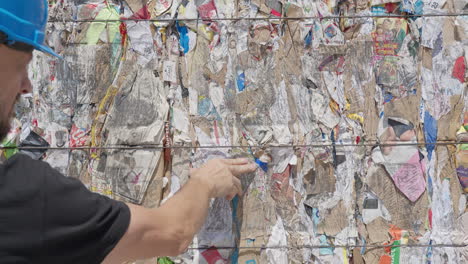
x: 357, y: 122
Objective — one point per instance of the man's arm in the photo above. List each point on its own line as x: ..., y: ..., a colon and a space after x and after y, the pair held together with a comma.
x: 169, y: 229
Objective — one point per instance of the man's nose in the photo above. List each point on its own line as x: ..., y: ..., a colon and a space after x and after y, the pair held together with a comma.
x: 26, y: 86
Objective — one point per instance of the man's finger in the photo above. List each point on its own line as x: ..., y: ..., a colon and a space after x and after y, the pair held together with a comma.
x: 238, y: 170
x: 238, y: 185
x: 238, y: 161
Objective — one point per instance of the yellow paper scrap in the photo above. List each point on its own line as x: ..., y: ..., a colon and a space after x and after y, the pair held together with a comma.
x: 96, y: 28
x: 356, y: 117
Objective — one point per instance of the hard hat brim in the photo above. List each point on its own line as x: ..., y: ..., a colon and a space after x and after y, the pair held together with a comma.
x: 48, y: 50
x: 41, y: 47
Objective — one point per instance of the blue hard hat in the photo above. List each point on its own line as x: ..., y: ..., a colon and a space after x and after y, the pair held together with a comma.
x: 25, y: 21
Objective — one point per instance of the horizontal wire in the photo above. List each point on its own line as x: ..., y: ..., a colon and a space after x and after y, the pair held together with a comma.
x: 159, y: 147
x: 336, y: 246
x: 253, y: 18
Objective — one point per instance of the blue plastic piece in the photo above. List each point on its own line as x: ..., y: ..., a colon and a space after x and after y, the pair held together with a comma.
x: 235, y: 254
x: 325, y: 250
x: 25, y: 21
x: 308, y: 39
x: 184, y: 38
x: 262, y: 165
x: 241, y: 81
x: 388, y: 97
x: 430, y: 133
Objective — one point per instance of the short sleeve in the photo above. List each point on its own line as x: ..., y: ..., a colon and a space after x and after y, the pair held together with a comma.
x: 77, y: 225
x: 80, y: 224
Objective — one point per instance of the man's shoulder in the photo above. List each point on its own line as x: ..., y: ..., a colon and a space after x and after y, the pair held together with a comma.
x: 23, y: 173
x: 22, y: 162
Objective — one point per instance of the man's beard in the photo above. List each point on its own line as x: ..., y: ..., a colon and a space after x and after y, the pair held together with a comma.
x: 4, y: 129
x: 5, y: 124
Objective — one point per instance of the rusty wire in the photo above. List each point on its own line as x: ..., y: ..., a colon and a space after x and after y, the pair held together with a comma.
x: 314, y: 145
x: 255, y: 18
x: 334, y: 246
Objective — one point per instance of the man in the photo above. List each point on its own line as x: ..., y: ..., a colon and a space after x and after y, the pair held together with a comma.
x: 48, y: 218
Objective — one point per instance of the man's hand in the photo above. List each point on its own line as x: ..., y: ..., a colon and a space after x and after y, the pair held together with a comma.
x: 220, y: 176
x: 169, y: 229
